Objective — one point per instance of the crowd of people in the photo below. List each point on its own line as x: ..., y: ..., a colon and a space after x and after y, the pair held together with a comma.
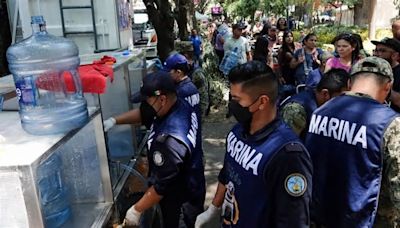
x: 317, y: 139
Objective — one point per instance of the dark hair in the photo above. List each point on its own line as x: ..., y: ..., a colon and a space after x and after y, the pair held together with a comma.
x: 184, y: 67
x: 257, y: 79
x: 286, y: 47
x: 349, y: 37
x: 334, y: 81
x: 308, y: 36
x: 261, y: 49
x: 358, y: 38
x: 278, y: 25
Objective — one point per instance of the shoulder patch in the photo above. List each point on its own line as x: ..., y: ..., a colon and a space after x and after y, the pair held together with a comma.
x: 296, y: 184
x: 294, y: 147
x: 158, y: 158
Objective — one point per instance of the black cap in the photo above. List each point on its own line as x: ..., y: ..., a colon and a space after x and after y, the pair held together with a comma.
x: 238, y: 26
x: 389, y: 42
x: 154, y: 84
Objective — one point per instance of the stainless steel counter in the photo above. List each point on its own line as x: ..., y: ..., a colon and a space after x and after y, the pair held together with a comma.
x: 84, y: 155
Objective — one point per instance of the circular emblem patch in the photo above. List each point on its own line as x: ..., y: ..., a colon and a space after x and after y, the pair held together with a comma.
x: 296, y: 184
x: 158, y: 158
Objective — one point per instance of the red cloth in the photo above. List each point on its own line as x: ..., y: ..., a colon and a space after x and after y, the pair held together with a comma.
x: 93, y: 78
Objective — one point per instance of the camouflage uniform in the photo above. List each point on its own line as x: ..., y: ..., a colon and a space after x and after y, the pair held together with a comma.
x: 388, y: 214
x: 197, y: 75
x: 389, y: 198
x: 201, y: 82
x: 295, y: 116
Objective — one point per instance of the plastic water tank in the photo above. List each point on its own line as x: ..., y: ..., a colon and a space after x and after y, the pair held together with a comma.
x: 41, y: 65
x: 229, y: 61
x: 56, y: 208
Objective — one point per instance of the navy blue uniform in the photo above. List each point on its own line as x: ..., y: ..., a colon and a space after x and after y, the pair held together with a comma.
x: 345, y: 140
x: 268, y: 178
x: 187, y: 91
x: 174, y: 161
x: 306, y: 99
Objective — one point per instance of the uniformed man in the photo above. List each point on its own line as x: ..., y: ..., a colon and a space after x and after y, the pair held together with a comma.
x: 354, y: 144
x: 201, y: 82
x: 177, y: 65
x: 266, y: 177
x: 389, y: 50
x: 296, y: 110
x: 173, y: 159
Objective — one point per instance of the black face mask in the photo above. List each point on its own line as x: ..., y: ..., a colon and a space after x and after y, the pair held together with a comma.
x: 241, y: 114
x: 147, y: 113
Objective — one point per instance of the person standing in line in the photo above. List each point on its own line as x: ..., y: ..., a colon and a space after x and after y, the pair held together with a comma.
x: 197, y: 46
x: 354, y: 144
x: 266, y: 177
x: 306, y: 58
x: 396, y: 29
x: 239, y: 43
x: 348, y: 52
x: 389, y: 50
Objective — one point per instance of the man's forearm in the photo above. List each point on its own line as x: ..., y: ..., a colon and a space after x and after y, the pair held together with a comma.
x: 219, y: 195
x: 130, y: 117
x: 149, y: 199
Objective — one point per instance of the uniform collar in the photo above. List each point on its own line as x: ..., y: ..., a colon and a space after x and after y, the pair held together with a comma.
x: 262, y: 133
x: 356, y: 94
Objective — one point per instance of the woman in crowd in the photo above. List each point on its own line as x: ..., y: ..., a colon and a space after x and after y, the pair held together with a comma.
x: 281, y: 24
x: 285, y: 56
x: 261, y: 52
x: 347, y: 49
x: 306, y: 58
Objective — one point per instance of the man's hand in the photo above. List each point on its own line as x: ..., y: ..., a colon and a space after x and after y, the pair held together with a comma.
x: 132, y: 217
x: 109, y: 123
x: 210, y: 214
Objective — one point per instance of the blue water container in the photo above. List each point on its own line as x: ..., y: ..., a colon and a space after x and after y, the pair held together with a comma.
x: 41, y: 66
x: 56, y: 208
x: 229, y: 61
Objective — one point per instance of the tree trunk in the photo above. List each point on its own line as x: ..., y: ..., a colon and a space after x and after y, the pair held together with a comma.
x: 182, y: 7
x: 362, y: 11
x: 191, y: 16
x: 161, y: 17
x: 371, y: 26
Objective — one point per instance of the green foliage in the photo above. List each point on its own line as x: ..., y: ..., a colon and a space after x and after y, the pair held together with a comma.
x: 214, y: 76
x: 326, y: 33
x: 350, y: 3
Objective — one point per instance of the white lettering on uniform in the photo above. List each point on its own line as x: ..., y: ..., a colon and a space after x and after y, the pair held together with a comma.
x: 193, y: 99
x: 193, y: 129
x: 150, y: 139
x: 243, y: 154
x: 341, y: 130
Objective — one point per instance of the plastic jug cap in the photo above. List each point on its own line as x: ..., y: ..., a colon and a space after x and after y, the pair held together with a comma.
x: 37, y: 20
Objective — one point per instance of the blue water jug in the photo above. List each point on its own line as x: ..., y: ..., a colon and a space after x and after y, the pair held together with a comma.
x: 56, y: 208
x: 41, y: 66
x: 229, y: 61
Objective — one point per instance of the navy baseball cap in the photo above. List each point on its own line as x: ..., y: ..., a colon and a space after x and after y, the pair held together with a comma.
x: 154, y: 84
x: 175, y: 62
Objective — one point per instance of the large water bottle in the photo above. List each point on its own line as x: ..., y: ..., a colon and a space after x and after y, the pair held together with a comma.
x: 229, y: 61
x: 56, y: 208
x: 40, y: 65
